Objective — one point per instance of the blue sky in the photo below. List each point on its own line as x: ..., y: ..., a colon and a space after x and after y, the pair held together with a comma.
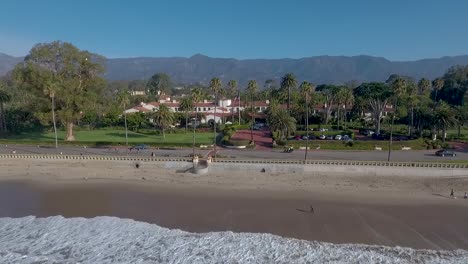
x: 396, y: 29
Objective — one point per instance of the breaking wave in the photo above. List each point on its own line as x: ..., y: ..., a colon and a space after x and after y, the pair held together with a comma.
x: 113, y: 240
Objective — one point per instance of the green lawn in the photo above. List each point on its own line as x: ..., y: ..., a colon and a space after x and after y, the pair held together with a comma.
x: 112, y: 136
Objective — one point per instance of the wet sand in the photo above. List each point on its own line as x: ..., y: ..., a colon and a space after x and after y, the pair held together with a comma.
x: 398, y: 219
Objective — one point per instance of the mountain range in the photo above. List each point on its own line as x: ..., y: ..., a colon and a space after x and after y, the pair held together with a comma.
x: 321, y: 69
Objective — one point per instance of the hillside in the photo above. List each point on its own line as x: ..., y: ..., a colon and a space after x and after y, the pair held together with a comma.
x: 321, y: 69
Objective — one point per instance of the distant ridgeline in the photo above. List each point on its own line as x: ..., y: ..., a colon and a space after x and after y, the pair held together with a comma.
x: 321, y: 69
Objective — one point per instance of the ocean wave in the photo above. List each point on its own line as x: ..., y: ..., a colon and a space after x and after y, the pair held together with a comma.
x: 114, y: 240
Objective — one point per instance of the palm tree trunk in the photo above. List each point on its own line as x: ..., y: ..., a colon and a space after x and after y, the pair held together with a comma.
x: 126, y: 129
x: 186, y: 121
x: 70, y: 136
x: 54, y: 122
x: 2, y: 120
x: 391, y: 133
x: 214, y: 125
x: 444, y: 133
x: 307, y: 129
x: 412, y: 122
x: 338, y: 119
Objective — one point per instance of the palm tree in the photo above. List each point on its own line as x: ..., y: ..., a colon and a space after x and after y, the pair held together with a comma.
x: 215, y: 86
x: 4, y: 98
x: 50, y: 91
x: 163, y: 118
x: 123, y: 99
x: 461, y: 115
x: 424, y: 85
x: 252, y: 89
x: 437, y: 85
x: 280, y: 120
x: 444, y: 117
x: 399, y: 87
x: 233, y: 93
x: 306, y: 91
x: 197, y: 96
x: 288, y: 82
x: 186, y: 105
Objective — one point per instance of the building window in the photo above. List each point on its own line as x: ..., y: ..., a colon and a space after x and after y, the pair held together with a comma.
x: 204, y: 108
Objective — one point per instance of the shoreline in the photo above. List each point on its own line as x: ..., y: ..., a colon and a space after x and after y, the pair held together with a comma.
x: 394, y: 211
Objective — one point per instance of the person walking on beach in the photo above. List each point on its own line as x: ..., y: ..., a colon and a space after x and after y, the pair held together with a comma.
x: 452, y: 194
x: 311, y: 209
x: 465, y: 196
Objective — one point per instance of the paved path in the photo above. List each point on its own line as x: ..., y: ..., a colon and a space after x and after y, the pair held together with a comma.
x: 425, y: 155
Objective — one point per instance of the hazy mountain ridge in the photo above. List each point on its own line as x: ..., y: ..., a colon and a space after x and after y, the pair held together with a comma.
x: 320, y: 69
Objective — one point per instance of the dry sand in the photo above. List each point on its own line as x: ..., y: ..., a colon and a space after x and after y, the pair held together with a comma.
x: 403, y: 211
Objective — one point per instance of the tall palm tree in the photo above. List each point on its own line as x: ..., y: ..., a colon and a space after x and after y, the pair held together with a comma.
x: 215, y: 86
x: 399, y: 87
x: 233, y: 93
x: 123, y: 99
x: 163, y: 118
x: 252, y: 88
x: 437, y: 85
x: 197, y: 96
x: 424, y: 85
x: 306, y: 89
x: 50, y: 91
x: 4, y: 98
x: 288, y: 82
x: 186, y: 105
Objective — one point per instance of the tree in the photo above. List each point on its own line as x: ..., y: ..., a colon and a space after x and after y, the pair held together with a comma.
x: 376, y: 95
x: 306, y: 89
x: 163, y: 118
x: 461, y: 115
x: 455, y: 86
x: 123, y: 100
x: 280, y: 120
x: 159, y: 84
x: 424, y: 86
x: 252, y: 88
x: 67, y: 75
x: 197, y: 96
x: 233, y: 93
x: 398, y: 87
x: 329, y: 94
x: 215, y: 86
x: 344, y: 97
x: 288, y: 83
x: 444, y: 118
x: 437, y: 85
x: 4, y: 98
x: 186, y: 105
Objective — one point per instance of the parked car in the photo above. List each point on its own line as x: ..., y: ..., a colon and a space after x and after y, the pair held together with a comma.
x: 323, y: 129
x: 346, y: 137
x: 338, y: 137
x: 378, y: 137
x: 322, y: 137
x: 139, y: 147
x: 330, y: 137
x: 445, y: 152
x: 304, y: 138
x: 298, y: 137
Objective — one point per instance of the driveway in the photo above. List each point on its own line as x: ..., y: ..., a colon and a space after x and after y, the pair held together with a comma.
x: 261, y: 138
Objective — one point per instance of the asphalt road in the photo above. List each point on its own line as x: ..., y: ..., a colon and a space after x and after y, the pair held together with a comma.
x: 239, y: 154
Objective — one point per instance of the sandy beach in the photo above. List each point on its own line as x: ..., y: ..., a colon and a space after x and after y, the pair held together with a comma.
x: 395, y: 211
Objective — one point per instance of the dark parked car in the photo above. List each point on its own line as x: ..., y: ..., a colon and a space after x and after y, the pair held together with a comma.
x: 445, y: 152
x: 378, y: 137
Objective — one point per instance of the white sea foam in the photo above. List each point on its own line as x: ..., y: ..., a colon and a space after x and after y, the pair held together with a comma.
x: 114, y: 240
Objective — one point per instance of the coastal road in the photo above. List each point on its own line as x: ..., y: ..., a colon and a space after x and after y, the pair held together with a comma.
x: 425, y: 155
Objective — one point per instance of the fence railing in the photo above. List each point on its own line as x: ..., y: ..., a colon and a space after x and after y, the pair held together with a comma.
x: 241, y: 161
